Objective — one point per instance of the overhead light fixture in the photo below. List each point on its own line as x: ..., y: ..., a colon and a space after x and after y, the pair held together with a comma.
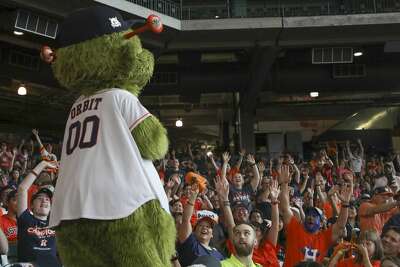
x: 18, y: 33
x: 358, y: 54
x: 22, y: 90
x: 179, y: 123
x: 216, y: 16
x: 314, y: 94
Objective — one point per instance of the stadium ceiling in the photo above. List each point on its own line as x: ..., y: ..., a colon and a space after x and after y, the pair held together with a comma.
x: 200, y: 71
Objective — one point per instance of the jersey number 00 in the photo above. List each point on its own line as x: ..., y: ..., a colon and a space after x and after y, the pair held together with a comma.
x: 79, y: 129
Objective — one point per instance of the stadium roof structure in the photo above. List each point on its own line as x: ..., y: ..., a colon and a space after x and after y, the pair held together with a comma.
x: 212, y: 59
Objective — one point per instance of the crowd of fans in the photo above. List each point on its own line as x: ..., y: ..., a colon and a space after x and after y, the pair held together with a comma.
x: 339, y: 208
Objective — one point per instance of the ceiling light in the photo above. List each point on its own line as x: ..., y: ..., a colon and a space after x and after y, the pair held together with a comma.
x: 22, y: 89
x: 18, y: 33
x: 179, y: 123
x: 358, y: 53
x: 216, y: 16
x: 314, y: 94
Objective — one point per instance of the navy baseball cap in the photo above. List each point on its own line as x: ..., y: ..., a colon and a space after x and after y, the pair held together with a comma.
x: 89, y: 23
x: 42, y: 190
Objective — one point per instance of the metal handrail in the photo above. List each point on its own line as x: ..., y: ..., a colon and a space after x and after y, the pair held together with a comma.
x: 285, y: 8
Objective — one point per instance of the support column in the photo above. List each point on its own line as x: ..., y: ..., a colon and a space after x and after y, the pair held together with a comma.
x: 259, y: 72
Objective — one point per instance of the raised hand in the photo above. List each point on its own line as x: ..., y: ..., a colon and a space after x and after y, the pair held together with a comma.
x: 261, y: 167
x: 222, y: 188
x: 284, y: 174
x: 242, y: 152
x: 15, y: 151
x: 347, y: 192
x: 250, y: 159
x: 35, y: 132
x: 226, y: 157
x: 194, y: 191
x: 274, y: 190
x: 170, y: 184
x: 334, y: 189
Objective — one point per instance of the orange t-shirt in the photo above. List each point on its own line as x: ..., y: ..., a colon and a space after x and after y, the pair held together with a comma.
x: 350, y: 262
x: 264, y: 255
x: 9, y: 227
x: 303, y: 246
x: 373, y: 222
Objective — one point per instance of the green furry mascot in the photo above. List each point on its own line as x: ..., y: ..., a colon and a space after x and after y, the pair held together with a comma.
x: 109, y: 207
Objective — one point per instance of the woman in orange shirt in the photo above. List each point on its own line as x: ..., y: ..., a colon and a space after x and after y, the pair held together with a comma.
x: 368, y: 252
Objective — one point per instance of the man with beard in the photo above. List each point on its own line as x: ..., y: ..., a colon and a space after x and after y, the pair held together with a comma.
x: 244, y: 240
x: 305, y: 240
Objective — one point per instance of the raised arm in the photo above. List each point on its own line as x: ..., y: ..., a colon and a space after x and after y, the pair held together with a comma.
x: 225, y: 157
x: 380, y: 208
x: 241, y: 155
x: 348, y: 150
x: 24, y: 186
x: 210, y: 155
x: 360, y: 145
x: 222, y: 188
x: 36, y: 134
x: 189, y: 148
x: 186, y: 228
x: 3, y: 243
x: 296, y: 171
x: 303, y: 185
x: 14, y: 155
x: 284, y: 205
x: 272, y: 235
x: 319, y: 182
x: 344, y: 210
x: 255, y: 180
x: 261, y: 169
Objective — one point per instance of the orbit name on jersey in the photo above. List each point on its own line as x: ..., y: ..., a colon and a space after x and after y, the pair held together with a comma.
x: 89, y: 104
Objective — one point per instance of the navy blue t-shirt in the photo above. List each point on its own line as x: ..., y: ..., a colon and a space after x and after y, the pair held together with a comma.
x: 241, y: 195
x: 36, y: 242
x: 191, y: 249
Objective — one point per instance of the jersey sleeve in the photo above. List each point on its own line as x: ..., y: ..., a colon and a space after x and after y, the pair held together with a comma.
x: 132, y: 111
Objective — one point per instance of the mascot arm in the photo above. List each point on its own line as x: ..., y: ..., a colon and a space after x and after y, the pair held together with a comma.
x: 151, y: 138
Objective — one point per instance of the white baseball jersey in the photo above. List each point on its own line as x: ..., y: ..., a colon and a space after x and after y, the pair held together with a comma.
x: 102, y: 174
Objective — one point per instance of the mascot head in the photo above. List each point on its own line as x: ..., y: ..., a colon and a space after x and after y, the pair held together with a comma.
x: 95, y: 52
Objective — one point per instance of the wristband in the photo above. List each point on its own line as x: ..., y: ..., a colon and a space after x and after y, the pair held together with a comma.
x: 274, y: 202
x: 190, y: 203
x: 252, y: 165
x: 345, y: 205
x: 34, y: 173
x: 226, y: 203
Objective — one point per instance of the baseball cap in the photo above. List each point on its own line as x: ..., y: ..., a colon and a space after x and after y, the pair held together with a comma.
x: 382, y: 190
x: 313, y: 211
x: 43, y: 190
x: 207, y: 215
x: 89, y: 23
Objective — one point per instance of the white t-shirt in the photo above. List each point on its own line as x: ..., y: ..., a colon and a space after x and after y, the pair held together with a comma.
x: 356, y: 163
x: 102, y: 174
